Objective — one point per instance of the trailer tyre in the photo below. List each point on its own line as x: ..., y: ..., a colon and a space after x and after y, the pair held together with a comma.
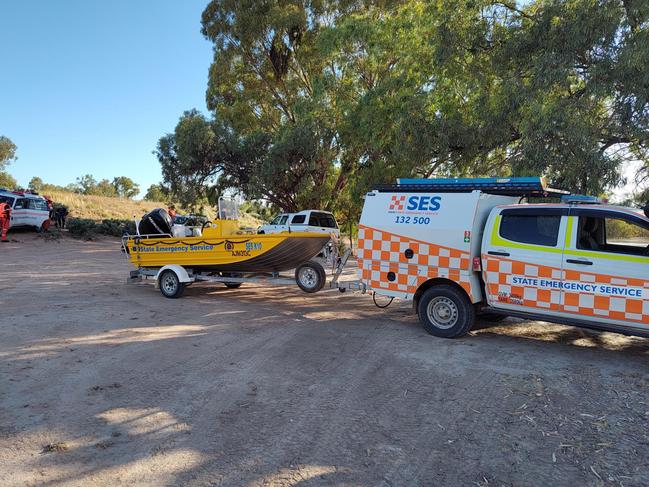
x: 446, y: 312
x: 232, y: 285
x: 310, y: 276
x: 170, y: 285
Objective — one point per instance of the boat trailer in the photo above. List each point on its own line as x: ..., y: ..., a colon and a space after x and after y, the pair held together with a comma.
x: 310, y: 277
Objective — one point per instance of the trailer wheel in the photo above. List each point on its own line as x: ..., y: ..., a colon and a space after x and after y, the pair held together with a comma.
x: 310, y: 277
x: 232, y: 285
x: 446, y: 312
x: 170, y: 285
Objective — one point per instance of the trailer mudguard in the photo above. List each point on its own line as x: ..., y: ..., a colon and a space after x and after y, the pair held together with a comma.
x: 181, y: 272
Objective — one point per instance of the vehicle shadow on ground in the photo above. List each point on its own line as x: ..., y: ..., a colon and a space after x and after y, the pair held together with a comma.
x: 330, y: 303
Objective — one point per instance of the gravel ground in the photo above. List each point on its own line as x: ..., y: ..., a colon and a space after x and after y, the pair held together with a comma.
x: 103, y: 383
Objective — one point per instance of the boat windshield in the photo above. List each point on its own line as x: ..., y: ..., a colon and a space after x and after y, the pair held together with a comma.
x: 228, y: 209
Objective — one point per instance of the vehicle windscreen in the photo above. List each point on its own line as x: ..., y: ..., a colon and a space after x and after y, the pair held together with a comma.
x: 324, y: 220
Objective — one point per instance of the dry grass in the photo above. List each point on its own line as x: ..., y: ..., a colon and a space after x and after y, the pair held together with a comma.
x: 101, y: 207
x: 104, y: 207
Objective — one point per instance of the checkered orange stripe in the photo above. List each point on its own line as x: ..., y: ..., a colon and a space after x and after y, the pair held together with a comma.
x: 621, y: 308
x: 380, y: 253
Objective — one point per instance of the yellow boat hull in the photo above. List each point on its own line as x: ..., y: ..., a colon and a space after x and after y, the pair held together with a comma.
x: 234, y: 253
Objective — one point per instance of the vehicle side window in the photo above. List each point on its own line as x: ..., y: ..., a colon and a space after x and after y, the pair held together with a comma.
x: 275, y: 221
x: 22, y: 203
x: 328, y: 221
x: 614, y: 235
x: 283, y: 220
x: 314, y: 221
x: 531, y: 229
x: 298, y: 220
x: 38, y: 205
x: 324, y: 220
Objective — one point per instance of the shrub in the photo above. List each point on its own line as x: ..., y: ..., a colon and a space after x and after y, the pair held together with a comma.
x: 82, y: 228
x: 116, y: 228
x: 89, y: 229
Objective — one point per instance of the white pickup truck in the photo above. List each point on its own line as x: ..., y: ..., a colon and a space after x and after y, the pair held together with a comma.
x: 303, y: 221
x: 462, y: 247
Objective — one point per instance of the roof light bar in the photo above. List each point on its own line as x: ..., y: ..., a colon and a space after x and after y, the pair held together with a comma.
x: 524, y: 186
x: 580, y: 199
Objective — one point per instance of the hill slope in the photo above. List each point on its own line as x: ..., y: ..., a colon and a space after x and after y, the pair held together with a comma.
x: 104, y: 207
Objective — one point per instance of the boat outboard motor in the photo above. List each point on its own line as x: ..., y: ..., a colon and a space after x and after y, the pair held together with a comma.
x: 156, y: 222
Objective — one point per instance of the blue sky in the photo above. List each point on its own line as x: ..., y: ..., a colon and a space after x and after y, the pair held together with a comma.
x: 89, y: 86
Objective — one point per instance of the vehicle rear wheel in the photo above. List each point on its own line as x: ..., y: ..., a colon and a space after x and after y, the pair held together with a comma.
x: 446, y: 312
x: 310, y: 277
x: 170, y: 285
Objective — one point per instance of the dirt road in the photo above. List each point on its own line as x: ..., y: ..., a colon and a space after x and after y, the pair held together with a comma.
x: 107, y: 384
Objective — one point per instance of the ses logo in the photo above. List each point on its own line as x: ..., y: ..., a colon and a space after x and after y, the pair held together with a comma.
x: 415, y: 203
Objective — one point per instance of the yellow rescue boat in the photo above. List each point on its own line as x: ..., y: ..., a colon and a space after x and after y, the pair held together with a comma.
x: 223, y: 247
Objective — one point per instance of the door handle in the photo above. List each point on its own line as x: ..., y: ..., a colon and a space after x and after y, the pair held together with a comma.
x: 580, y: 262
x: 502, y: 254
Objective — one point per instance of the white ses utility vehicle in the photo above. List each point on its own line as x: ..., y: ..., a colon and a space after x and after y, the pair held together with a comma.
x: 304, y: 221
x: 461, y: 247
x: 28, y: 210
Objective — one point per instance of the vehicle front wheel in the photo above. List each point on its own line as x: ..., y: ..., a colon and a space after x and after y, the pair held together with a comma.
x: 446, y: 312
x: 310, y: 277
x: 170, y: 285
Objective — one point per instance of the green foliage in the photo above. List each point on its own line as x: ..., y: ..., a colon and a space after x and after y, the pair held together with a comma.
x: 82, y: 228
x: 125, y: 187
x: 121, y: 186
x: 116, y: 228
x: 7, y: 152
x: 88, y: 229
x: 157, y: 192
x: 257, y: 209
x: 7, y: 181
x: 35, y: 184
x: 85, y: 184
x: 313, y: 102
